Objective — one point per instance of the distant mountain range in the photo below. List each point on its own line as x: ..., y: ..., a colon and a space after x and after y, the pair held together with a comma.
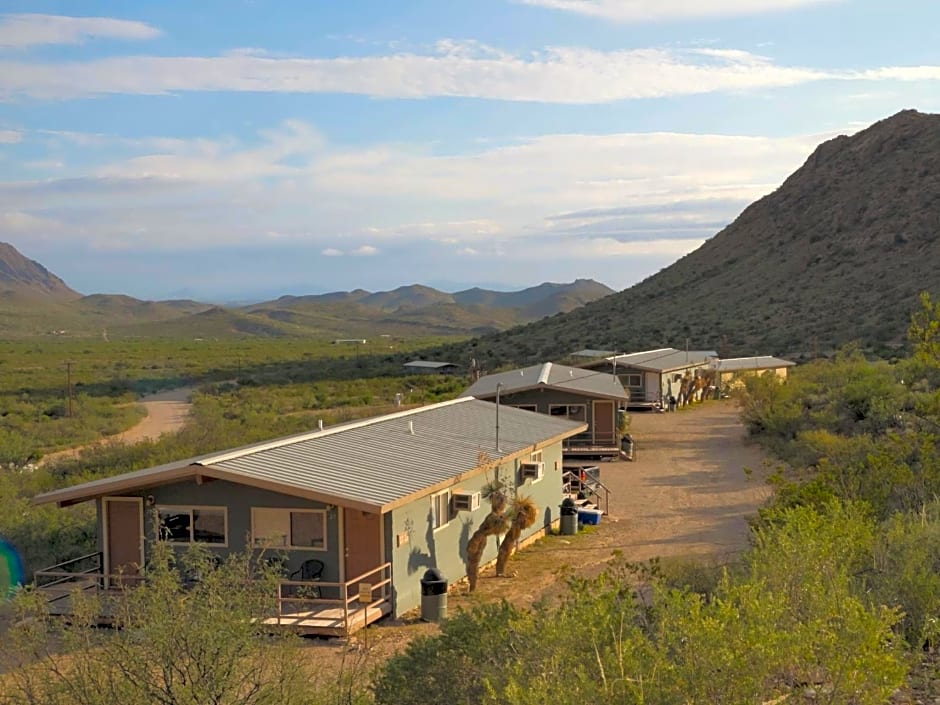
x: 34, y: 301
x: 838, y: 253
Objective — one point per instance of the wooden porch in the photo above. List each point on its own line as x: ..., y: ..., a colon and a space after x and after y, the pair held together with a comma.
x: 588, y: 444
x: 302, y: 607
x: 305, y: 607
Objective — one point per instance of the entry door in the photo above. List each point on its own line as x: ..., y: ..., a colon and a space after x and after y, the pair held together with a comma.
x: 363, y: 542
x: 124, y: 539
x: 603, y: 422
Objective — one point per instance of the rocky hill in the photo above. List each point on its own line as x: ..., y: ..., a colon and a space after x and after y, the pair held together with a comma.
x: 24, y: 277
x: 839, y: 252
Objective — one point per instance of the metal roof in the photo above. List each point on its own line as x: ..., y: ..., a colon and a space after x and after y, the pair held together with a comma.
x: 761, y: 362
x: 429, y: 364
x: 588, y: 352
x: 664, y: 359
x: 552, y: 376
x: 373, y: 464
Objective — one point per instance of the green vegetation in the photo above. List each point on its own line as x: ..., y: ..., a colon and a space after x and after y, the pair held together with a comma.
x: 178, y: 641
x: 107, y: 377
x: 791, y: 619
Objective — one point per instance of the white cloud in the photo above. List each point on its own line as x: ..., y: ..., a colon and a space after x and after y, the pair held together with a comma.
x: 624, y: 188
x: 21, y: 222
x: 18, y: 31
x: 469, y: 69
x: 556, y: 75
x: 10, y: 136
x: 653, y: 10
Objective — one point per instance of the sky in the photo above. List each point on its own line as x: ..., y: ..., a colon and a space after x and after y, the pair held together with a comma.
x: 235, y: 150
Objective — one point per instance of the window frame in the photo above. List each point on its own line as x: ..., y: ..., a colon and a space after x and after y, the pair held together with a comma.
x: 265, y: 542
x: 436, y: 523
x: 526, y: 407
x: 567, y: 413
x: 626, y: 378
x: 190, y: 508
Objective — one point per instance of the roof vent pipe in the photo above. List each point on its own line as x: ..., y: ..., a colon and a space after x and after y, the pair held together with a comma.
x: 411, y: 427
x: 320, y: 424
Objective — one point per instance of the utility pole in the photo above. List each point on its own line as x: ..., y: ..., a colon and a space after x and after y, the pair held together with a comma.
x: 499, y: 386
x: 68, y: 383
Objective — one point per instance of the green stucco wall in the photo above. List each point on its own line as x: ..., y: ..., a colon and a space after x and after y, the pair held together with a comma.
x: 446, y: 547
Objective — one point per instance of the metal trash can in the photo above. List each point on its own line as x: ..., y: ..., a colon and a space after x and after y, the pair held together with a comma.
x: 627, y: 446
x: 569, y: 517
x: 433, y: 596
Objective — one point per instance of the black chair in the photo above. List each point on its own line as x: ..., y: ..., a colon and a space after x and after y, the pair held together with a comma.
x: 311, y: 570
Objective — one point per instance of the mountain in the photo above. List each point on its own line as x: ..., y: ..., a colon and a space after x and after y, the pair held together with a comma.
x: 27, y: 278
x: 35, y: 302
x: 838, y: 253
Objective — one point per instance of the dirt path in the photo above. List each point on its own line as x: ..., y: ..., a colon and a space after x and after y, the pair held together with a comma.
x: 166, y: 412
x: 686, y: 495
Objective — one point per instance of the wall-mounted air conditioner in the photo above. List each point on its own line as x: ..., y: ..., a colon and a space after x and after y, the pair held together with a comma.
x: 532, y: 469
x: 466, y: 501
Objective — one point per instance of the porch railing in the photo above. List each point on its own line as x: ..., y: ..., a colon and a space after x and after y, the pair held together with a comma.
x: 587, y: 481
x: 375, y: 585
x: 590, y: 439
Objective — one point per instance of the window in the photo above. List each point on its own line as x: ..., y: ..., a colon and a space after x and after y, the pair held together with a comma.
x: 536, y: 457
x: 526, y: 407
x: 632, y: 380
x: 440, y: 509
x: 575, y: 412
x: 303, y: 529
x: 194, y: 525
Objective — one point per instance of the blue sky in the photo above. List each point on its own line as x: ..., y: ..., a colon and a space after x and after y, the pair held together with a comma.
x: 234, y: 150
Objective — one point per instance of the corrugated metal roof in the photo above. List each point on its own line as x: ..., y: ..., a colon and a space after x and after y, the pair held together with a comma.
x: 375, y: 462
x: 761, y: 362
x: 664, y: 359
x: 432, y: 364
x: 550, y: 375
x: 588, y: 352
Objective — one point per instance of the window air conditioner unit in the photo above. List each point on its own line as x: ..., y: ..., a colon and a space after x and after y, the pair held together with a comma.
x: 466, y: 501
x: 532, y: 469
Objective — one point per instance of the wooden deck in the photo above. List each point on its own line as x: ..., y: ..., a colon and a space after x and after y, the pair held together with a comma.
x: 330, y: 621
x: 355, y: 604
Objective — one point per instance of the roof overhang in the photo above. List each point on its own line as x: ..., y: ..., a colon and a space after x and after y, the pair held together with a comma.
x: 195, y: 471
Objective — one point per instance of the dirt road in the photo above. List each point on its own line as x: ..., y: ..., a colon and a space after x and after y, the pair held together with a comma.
x: 686, y: 495
x: 166, y: 412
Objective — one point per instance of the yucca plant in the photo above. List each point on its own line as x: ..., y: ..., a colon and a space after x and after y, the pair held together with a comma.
x: 494, y: 524
x: 522, y: 514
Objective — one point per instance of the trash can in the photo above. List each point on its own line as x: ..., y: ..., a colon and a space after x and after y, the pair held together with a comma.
x: 626, y: 446
x: 433, y: 596
x: 569, y: 517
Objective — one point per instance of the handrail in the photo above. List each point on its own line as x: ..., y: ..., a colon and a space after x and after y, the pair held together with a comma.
x: 346, y: 600
x: 96, y: 554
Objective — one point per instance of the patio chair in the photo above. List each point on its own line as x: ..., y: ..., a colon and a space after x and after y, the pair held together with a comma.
x: 311, y: 570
